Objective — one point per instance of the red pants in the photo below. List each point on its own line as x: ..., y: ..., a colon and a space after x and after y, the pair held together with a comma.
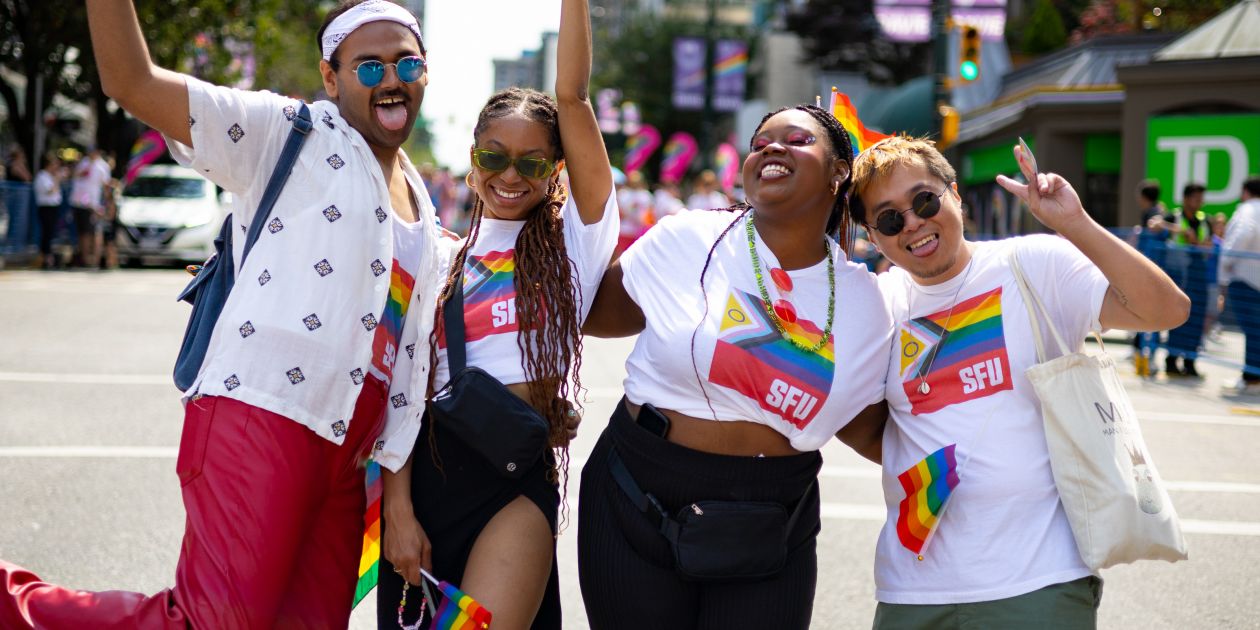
x: 273, y: 536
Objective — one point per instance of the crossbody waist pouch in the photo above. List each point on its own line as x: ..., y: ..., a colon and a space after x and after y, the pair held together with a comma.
x: 480, y: 410
x: 717, y: 541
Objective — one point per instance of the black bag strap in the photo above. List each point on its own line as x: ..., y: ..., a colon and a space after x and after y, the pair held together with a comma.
x: 645, y: 502
x: 280, y: 175
x: 453, y: 321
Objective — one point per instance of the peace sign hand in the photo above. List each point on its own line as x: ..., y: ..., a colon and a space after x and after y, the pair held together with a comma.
x: 1052, y: 199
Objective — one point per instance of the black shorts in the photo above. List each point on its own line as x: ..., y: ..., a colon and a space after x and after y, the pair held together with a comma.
x: 85, y: 220
x: 454, y: 504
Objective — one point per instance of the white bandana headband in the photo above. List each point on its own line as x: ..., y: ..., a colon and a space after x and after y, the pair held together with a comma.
x: 360, y: 14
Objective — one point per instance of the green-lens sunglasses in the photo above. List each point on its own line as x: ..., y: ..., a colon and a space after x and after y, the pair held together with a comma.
x: 495, y: 162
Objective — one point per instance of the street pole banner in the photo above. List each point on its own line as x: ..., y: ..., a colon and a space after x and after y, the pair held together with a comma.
x: 680, y: 151
x: 911, y: 20
x: 640, y: 147
x: 689, y: 55
x: 729, y: 70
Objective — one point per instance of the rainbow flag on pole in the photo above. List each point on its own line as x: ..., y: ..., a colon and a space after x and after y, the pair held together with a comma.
x: 370, y: 560
x: 459, y: 611
x: 846, y: 113
x: 928, y: 485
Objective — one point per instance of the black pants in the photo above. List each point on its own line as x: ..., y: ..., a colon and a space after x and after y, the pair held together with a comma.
x: 48, y: 216
x: 1184, y: 340
x: 626, y: 567
x: 1246, y: 304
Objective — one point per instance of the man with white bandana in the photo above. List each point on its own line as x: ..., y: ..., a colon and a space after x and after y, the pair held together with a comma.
x: 321, y: 353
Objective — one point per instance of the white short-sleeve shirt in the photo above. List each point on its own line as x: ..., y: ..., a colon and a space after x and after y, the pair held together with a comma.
x: 490, y: 326
x: 720, y: 340
x: 1003, y: 531
x: 295, y: 336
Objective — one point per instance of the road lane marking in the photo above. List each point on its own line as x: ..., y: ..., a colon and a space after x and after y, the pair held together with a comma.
x: 64, y: 378
x: 1214, y: 486
x: 1164, y: 416
x: 1221, y: 528
x: 827, y: 472
x: 75, y: 452
x: 870, y: 512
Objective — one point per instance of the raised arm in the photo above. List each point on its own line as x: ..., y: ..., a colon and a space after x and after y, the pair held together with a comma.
x: 585, y: 155
x: 1141, y: 297
x: 157, y: 96
x: 613, y: 313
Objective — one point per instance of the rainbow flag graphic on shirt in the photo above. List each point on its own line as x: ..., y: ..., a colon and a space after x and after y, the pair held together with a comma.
x: 928, y: 485
x: 389, y: 331
x: 964, y: 362
x: 847, y: 114
x: 489, y: 295
x: 370, y: 559
x: 752, y: 358
x: 459, y: 611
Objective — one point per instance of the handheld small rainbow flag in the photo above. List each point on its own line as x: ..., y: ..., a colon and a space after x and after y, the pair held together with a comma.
x: 846, y: 113
x: 459, y: 611
x: 370, y: 560
x: 928, y: 485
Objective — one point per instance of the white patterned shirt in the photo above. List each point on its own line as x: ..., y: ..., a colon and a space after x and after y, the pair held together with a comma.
x: 295, y: 336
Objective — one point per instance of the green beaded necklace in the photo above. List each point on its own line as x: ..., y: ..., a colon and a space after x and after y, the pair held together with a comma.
x: 765, y: 295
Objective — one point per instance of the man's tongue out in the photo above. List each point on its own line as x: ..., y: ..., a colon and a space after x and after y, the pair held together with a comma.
x: 925, y: 247
x: 392, y: 117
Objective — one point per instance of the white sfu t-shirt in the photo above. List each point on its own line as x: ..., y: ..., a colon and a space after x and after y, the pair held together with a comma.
x: 749, y: 371
x: 1003, y: 531
x: 490, y: 325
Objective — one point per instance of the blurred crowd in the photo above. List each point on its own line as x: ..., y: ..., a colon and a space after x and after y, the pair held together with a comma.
x: 76, y: 199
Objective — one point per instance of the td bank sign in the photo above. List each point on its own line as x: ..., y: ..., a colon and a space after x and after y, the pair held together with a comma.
x: 1216, y: 151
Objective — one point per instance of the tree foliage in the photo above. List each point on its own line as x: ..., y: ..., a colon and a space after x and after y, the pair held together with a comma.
x: 637, y: 59
x: 1044, y: 30
x: 42, y: 38
x: 845, y: 35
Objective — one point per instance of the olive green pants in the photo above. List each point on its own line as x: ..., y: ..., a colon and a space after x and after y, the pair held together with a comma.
x: 1067, y: 606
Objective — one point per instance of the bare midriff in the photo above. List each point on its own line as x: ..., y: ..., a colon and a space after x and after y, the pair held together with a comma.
x: 725, y: 437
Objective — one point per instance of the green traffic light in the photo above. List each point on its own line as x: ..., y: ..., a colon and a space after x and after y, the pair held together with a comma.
x: 969, y: 70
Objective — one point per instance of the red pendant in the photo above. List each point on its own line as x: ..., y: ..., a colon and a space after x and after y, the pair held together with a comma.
x: 785, y: 311
x: 781, y: 279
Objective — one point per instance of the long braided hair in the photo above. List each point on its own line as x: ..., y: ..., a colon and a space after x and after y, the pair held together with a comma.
x: 839, y: 223
x: 550, y: 337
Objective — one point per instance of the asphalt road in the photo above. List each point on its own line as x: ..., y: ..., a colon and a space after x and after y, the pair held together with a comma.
x: 89, y: 426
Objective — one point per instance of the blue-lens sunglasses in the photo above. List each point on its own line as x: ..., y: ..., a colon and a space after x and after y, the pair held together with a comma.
x: 372, y: 72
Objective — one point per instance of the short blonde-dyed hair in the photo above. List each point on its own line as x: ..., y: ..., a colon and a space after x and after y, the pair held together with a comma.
x: 881, y: 158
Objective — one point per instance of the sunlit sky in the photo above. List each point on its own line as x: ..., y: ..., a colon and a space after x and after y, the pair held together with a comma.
x: 462, y: 39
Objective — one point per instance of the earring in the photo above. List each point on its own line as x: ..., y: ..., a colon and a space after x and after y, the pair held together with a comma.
x: 835, y: 187
x: 468, y: 181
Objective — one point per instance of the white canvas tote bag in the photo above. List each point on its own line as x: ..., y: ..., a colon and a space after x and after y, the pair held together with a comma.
x: 1115, y: 500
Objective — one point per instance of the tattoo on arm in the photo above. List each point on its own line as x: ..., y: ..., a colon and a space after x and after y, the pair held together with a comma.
x: 1124, y: 299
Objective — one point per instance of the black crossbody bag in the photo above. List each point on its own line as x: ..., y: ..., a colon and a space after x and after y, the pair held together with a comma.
x: 717, y: 541
x: 480, y: 410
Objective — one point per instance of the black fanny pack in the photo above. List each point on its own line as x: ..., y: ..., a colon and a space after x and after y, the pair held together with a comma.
x: 718, y: 541
x: 480, y: 410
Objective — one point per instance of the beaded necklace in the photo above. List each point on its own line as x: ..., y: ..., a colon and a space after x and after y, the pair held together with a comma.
x: 769, y: 306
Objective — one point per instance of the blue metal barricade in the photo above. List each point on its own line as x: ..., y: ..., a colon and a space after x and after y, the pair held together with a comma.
x: 17, y: 223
